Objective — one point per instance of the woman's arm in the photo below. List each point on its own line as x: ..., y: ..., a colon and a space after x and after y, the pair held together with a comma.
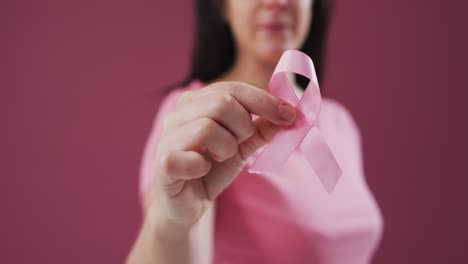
x: 203, y: 146
x: 157, y: 243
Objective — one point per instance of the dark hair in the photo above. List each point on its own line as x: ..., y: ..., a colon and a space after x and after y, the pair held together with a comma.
x: 214, y: 51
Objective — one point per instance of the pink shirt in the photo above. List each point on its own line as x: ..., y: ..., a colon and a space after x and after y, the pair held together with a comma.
x: 289, y: 217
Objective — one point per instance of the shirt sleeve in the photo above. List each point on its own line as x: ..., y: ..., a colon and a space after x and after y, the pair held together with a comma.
x: 146, y: 173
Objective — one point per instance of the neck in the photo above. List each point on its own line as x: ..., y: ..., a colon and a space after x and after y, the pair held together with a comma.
x: 250, y: 70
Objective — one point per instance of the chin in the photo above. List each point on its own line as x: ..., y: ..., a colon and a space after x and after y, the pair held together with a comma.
x: 271, y: 52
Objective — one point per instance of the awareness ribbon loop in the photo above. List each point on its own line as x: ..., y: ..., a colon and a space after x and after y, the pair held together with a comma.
x: 287, y: 140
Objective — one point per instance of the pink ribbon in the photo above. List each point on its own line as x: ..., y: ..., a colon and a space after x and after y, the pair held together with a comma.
x: 286, y: 141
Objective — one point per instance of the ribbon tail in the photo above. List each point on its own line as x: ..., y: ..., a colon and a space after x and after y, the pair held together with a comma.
x: 271, y: 160
x: 283, y: 144
x: 323, y: 162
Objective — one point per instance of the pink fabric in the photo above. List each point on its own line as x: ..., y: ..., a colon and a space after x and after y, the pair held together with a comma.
x: 288, y: 140
x: 288, y: 217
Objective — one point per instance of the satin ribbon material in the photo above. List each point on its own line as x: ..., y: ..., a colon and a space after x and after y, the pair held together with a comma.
x: 288, y: 140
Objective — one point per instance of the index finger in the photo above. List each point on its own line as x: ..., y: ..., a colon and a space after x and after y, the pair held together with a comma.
x: 257, y: 101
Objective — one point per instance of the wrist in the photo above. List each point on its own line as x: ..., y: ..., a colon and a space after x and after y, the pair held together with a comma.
x: 164, y: 229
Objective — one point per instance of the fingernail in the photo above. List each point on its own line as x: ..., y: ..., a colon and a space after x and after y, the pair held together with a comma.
x: 287, y: 112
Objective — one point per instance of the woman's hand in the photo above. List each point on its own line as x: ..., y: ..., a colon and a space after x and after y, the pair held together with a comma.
x: 204, y: 145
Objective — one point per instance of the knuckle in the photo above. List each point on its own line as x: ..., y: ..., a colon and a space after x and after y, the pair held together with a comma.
x: 232, y: 87
x: 204, y: 124
x: 228, y: 150
x: 227, y: 100
x: 246, y: 131
x: 166, y: 163
x: 222, y: 104
x: 183, y: 98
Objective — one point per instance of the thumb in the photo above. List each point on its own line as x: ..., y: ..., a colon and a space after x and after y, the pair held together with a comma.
x: 264, y: 132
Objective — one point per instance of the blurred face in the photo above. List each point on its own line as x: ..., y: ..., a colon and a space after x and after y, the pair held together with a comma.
x: 264, y: 29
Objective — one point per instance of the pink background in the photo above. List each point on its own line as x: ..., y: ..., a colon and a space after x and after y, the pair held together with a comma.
x: 78, y: 97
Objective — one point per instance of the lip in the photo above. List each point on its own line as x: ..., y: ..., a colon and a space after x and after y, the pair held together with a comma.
x: 273, y: 27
